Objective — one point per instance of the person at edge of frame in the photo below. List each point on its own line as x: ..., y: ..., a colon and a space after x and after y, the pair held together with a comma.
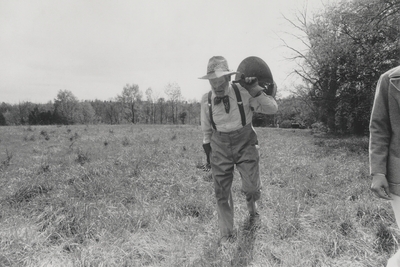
x: 384, y: 145
x: 232, y: 142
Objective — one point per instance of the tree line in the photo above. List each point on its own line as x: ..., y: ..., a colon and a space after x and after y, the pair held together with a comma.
x: 131, y: 106
x: 128, y: 107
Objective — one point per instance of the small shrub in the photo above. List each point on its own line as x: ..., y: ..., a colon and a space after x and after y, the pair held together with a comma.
x: 74, y: 137
x: 345, y: 228
x: 45, y: 135
x: 126, y: 141
x: 82, y: 157
x: 136, y: 168
x: 385, y: 241
x: 319, y: 127
x: 29, y: 138
x: 191, y: 210
x: 287, y: 228
x: 368, y: 216
x: 44, y: 167
x: 6, y: 162
x: 285, y: 124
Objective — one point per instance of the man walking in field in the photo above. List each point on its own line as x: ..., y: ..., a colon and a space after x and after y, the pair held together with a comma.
x: 229, y: 138
x: 384, y: 145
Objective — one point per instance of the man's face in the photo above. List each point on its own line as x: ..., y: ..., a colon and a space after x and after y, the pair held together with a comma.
x: 219, y: 85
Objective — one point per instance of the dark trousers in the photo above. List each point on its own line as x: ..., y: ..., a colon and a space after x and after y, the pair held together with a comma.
x: 230, y: 149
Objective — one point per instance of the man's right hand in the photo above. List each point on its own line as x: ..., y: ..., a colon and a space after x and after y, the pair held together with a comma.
x: 380, y: 186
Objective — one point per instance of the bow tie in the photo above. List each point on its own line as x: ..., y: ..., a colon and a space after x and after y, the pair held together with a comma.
x: 223, y: 99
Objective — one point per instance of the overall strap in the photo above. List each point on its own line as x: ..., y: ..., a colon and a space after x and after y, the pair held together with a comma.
x: 210, y: 110
x: 240, y: 103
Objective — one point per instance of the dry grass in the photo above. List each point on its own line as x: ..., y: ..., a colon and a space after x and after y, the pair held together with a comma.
x: 132, y: 196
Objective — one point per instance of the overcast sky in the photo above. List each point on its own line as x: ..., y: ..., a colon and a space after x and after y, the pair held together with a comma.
x: 93, y: 48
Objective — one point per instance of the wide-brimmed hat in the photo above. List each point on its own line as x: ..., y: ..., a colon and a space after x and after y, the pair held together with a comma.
x: 217, y: 67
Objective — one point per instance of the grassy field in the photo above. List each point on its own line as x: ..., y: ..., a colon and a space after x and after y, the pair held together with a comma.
x: 132, y: 196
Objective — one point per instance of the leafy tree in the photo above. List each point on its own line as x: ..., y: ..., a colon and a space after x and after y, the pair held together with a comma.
x: 38, y: 116
x: 161, y: 107
x: 87, y: 114
x: 4, y: 107
x: 373, y: 31
x: 23, y: 112
x: 173, y: 90
x: 130, y: 97
x: 12, y: 115
x: 99, y: 110
x: 150, y: 109
x: 348, y: 46
x: 182, y: 116
x: 2, y: 120
x: 66, y: 107
x: 113, y: 111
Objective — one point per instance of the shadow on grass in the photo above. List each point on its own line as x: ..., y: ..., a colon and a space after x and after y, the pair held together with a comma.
x: 239, y: 253
x: 245, y: 245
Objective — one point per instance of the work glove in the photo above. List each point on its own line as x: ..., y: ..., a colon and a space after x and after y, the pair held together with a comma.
x: 207, y: 150
x: 269, y: 88
x: 251, y: 85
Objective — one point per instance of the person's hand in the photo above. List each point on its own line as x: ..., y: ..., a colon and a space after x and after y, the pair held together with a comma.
x: 380, y: 186
x: 248, y: 82
x: 251, y: 85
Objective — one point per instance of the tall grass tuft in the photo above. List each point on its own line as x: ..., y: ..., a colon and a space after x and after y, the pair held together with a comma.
x: 82, y: 157
x: 45, y: 134
x: 385, y: 240
x: 7, y: 161
x: 125, y: 141
x: 28, y: 193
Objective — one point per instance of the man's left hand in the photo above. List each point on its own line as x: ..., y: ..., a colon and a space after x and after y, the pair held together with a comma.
x: 380, y: 186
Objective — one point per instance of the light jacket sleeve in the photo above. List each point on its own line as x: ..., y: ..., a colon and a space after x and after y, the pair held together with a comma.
x: 380, y: 129
x: 264, y: 103
x: 205, y: 120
